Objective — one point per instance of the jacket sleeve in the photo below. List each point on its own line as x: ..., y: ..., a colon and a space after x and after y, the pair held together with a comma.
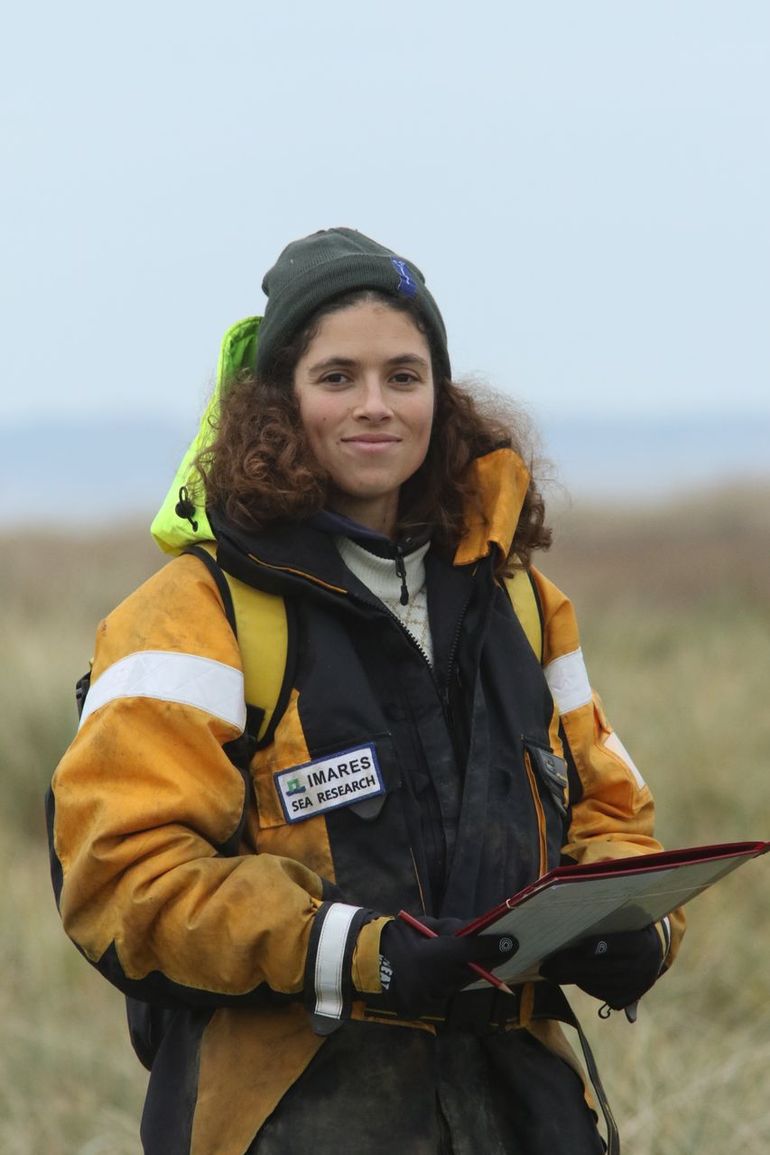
x: 145, y: 799
x: 612, y: 811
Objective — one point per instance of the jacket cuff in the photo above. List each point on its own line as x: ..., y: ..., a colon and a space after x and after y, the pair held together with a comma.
x: 366, y: 958
x: 328, y: 970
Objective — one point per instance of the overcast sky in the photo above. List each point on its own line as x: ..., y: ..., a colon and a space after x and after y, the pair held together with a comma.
x: 584, y: 184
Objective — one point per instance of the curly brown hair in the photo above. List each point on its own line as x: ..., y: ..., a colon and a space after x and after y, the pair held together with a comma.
x: 259, y: 469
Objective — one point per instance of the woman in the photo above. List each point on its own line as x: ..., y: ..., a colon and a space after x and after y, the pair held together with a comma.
x: 363, y: 493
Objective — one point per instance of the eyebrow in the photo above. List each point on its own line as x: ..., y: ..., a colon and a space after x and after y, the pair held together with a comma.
x: 351, y: 363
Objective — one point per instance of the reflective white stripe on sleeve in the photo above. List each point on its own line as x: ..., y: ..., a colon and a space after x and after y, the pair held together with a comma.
x: 614, y: 744
x: 567, y: 679
x: 185, y: 678
x: 329, y: 959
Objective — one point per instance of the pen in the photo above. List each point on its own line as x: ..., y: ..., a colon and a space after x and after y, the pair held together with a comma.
x: 415, y: 924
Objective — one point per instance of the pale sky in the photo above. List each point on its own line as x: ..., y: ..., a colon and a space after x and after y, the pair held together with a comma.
x: 584, y: 184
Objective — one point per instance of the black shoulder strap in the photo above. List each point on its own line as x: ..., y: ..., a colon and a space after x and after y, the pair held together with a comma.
x: 241, y: 750
x: 212, y: 565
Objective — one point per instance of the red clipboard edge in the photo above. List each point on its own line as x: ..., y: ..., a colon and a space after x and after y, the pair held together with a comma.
x: 660, y: 860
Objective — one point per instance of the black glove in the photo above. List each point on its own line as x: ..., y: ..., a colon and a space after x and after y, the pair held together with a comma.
x: 616, y: 968
x: 416, y: 971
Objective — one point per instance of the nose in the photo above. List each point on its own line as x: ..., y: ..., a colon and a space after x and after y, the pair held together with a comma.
x: 372, y: 403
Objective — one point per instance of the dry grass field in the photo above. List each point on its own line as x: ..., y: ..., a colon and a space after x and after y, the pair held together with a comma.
x: 675, y: 607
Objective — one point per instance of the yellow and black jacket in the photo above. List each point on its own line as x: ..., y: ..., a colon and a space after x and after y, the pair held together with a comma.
x: 192, y: 885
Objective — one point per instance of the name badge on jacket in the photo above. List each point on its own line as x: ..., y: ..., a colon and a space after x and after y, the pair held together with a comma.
x: 327, y: 783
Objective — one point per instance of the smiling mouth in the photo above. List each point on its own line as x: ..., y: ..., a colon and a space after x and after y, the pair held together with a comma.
x: 370, y: 445
x: 371, y: 439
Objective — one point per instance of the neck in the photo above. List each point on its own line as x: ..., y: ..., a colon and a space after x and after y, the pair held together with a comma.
x: 379, y: 515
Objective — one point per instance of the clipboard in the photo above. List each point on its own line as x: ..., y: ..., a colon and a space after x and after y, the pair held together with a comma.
x: 622, y: 894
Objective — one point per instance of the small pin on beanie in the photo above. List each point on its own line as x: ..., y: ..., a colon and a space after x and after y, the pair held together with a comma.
x: 316, y: 269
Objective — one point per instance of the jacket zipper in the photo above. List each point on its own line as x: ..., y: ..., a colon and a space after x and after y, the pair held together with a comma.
x: 401, y: 574
x: 409, y: 636
x: 458, y: 630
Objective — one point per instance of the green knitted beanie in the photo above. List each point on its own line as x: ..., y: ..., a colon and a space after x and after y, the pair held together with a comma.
x: 316, y: 269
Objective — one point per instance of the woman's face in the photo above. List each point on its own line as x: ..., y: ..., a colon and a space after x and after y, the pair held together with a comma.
x: 366, y: 396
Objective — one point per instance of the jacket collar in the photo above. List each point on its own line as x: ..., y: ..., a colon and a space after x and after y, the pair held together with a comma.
x: 501, y: 479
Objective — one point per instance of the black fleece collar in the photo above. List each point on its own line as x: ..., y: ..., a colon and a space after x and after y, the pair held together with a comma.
x: 327, y: 521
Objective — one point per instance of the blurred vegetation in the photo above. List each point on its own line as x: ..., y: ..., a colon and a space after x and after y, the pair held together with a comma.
x: 675, y: 609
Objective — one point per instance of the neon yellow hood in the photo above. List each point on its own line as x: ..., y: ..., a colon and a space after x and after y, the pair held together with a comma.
x: 172, y: 532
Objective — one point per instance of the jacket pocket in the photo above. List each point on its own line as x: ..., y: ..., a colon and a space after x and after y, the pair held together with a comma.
x: 547, y: 775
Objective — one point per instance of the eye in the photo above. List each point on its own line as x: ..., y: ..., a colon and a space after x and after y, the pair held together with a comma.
x: 404, y: 377
x: 336, y: 378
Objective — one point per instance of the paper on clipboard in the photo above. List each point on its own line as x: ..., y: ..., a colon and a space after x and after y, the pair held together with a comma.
x: 575, y: 902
